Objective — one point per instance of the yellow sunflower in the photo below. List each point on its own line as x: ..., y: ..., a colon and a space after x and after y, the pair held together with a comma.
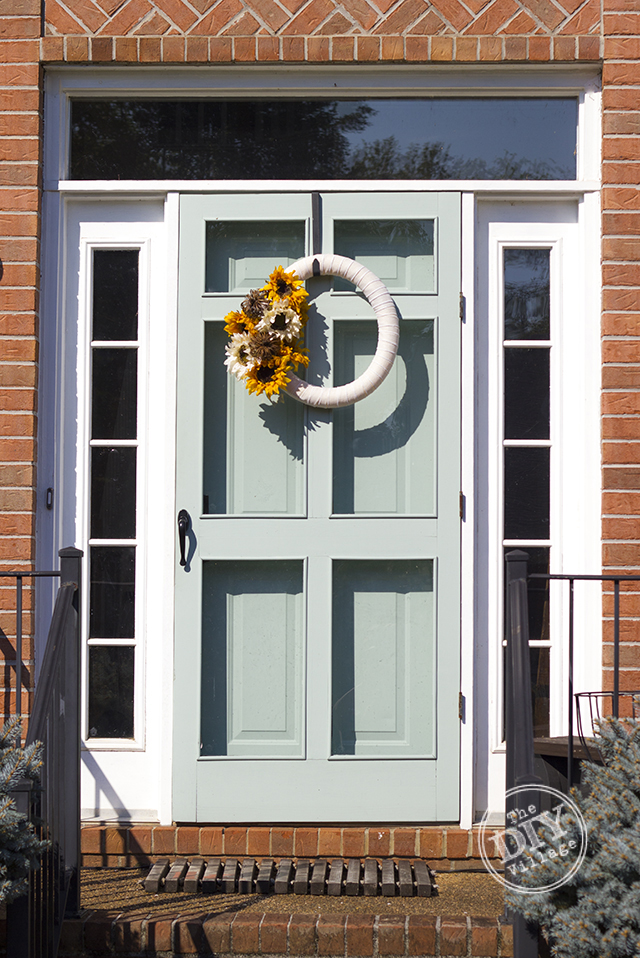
x: 284, y: 285
x: 238, y: 322
x: 269, y: 378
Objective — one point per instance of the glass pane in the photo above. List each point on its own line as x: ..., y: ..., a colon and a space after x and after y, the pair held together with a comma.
x: 113, y: 493
x: 383, y: 659
x: 253, y: 449
x: 252, y: 659
x: 240, y: 256
x: 526, y: 493
x: 518, y: 138
x: 384, y: 453
x: 115, y: 393
x: 111, y: 691
x: 112, y: 593
x: 399, y: 252
x: 115, y: 294
x: 526, y: 294
x: 526, y: 393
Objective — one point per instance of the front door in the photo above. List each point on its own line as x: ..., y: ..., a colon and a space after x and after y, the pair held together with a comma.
x: 317, y: 638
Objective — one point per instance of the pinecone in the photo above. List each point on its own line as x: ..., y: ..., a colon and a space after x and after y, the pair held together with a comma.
x: 255, y: 303
x: 263, y: 347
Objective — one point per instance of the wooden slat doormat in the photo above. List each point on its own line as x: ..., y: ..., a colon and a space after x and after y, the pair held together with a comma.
x: 304, y: 876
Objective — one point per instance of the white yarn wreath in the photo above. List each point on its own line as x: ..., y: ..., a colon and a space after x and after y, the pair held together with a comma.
x: 378, y: 296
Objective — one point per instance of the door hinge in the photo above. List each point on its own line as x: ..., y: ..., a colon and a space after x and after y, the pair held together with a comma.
x: 461, y: 705
x: 462, y: 308
x: 463, y: 503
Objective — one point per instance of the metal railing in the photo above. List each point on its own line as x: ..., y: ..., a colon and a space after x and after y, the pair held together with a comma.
x: 34, y: 922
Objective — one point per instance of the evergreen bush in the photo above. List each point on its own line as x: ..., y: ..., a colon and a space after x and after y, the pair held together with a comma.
x: 20, y: 847
x: 596, y: 914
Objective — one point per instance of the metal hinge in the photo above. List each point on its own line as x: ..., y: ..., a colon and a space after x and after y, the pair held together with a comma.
x: 461, y: 704
x: 463, y: 503
x: 462, y: 308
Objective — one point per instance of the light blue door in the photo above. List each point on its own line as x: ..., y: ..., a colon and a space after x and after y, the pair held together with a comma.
x: 317, y: 639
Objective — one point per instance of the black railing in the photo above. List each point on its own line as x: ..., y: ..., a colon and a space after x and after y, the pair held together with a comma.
x: 34, y: 922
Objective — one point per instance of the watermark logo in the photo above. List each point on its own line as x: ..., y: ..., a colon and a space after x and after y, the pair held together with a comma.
x: 534, y: 837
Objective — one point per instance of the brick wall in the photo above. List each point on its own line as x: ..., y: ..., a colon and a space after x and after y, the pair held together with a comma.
x: 411, y: 31
x: 621, y: 325
x: 20, y: 147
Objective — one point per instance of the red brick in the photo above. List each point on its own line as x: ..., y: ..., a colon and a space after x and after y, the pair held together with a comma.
x: 293, y: 48
x: 368, y: 49
x: 431, y: 843
x: 220, y: 50
x: 442, y: 48
x: 329, y: 842
x: 164, y: 840
x: 453, y: 937
x: 52, y: 49
x: 235, y: 841
x: 302, y: 935
x: 484, y: 938
x: 197, y: 50
x: 422, y: 935
x: 621, y: 403
x: 379, y: 842
x: 624, y: 453
x: 173, y: 49
x: 391, y: 935
x: 158, y: 932
x: 622, y: 48
x: 92, y: 840
x: 273, y: 934
x: 282, y: 842
x: 621, y: 477
x: 629, y: 655
x: 19, y: 51
x: 490, y: 48
x: 342, y: 48
x: 392, y: 48
x: 102, y: 49
x: 515, y: 48
x: 126, y: 49
x: 404, y: 842
x: 306, y: 842
x: 359, y: 935
x: 127, y: 935
x: 269, y: 49
x: 457, y: 843
x: 417, y: 49
x: 187, y: 841
x: 77, y: 49
x: 620, y: 324
x: 139, y: 840
x: 564, y: 48
x: 621, y: 554
x: 217, y: 933
x: 115, y: 841
x: 150, y: 50
x: 244, y: 49
x: 258, y: 841
x: 619, y: 299
x: 506, y: 940
x: 244, y: 934
x: 621, y: 199
x: 353, y: 842
x: 617, y: 502
x: 331, y: 934
x: 539, y: 48
x: 211, y: 841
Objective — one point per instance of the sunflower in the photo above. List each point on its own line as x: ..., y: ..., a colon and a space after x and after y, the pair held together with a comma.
x: 281, y: 321
x: 269, y: 378
x: 283, y: 285
x: 239, y: 359
x: 237, y: 322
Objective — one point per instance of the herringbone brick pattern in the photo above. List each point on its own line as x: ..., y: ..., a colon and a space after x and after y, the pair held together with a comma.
x: 247, y: 18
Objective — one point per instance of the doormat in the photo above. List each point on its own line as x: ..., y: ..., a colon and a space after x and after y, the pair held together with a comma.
x: 303, y: 876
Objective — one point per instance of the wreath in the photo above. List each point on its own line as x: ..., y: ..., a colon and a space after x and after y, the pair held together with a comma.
x: 265, y: 344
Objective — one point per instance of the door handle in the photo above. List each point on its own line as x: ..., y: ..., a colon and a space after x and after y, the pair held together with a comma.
x: 184, y: 521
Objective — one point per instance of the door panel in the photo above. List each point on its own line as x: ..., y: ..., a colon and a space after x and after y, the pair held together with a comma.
x: 318, y: 613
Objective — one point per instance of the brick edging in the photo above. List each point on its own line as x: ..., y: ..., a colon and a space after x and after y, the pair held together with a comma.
x: 118, y: 846
x: 284, y: 934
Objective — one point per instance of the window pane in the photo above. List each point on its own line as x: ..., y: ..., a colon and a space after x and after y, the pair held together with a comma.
x: 517, y: 138
x: 240, y: 255
x: 526, y: 294
x: 115, y: 294
x: 399, y: 252
x: 526, y: 493
x: 111, y: 691
x: 526, y: 393
x: 112, y: 594
x: 113, y: 493
x: 114, y: 399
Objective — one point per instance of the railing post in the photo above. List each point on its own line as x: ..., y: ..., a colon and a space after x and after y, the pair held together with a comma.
x: 518, y: 715
x: 71, y: 571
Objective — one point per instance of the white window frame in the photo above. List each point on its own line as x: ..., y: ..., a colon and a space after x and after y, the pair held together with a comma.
x: 61, y: 84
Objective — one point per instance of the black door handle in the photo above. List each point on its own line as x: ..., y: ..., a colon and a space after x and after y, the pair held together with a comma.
x: 184, y: 521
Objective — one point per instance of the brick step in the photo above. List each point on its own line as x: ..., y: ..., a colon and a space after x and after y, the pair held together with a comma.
x: 351, y: 877
x: 258, y: 933
x: 121, y: 846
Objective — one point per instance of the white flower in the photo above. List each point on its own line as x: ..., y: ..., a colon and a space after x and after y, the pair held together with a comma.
x: 239, y: 360
x: 281, y: 321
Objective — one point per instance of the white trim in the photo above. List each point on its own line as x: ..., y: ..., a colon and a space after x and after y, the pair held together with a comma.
x: 159, y: 187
